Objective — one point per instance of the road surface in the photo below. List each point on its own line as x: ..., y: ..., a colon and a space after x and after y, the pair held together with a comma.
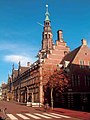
x: 16, y: 111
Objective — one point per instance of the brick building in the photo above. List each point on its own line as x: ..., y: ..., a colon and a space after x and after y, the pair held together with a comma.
x: 26, y: 83
x: 78, y: 66
x: 4, y: 91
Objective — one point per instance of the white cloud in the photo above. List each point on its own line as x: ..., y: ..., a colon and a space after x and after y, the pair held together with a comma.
x: 7, y: 46
x: 23, y: 49
x: 17, y: 58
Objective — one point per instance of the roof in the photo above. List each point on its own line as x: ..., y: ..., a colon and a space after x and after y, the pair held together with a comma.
x: 78, y: 53
x: 4, y: 85
x: 23, y: 69
x: 71, y: 55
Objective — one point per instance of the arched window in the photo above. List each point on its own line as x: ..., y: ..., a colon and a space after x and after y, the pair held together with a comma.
x: 45, y: 36
x: 49, y: 35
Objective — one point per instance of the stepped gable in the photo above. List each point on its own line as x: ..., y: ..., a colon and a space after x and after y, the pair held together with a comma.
x: 19, y: 71
x: 15, y: 73
x: 23, y: 69
x: 52, y: 59
x: 55, y: 56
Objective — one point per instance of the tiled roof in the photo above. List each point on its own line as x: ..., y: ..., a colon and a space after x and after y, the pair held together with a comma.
x: 23, y: 69
x: 71, y: 55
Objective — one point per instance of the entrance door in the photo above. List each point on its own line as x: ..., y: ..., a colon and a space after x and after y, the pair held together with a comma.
x: 77, y: 101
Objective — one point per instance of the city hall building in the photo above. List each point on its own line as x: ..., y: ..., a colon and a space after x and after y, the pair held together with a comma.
x: 27, y: 83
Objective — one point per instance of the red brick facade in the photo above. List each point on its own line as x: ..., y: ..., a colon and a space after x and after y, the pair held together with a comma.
x: 78, y: 94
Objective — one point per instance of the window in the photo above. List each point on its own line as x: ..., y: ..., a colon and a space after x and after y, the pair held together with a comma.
x: 65, y: 52
x: 89, y: 64
x: 75, y: 80
x: 81, y: 64
x: 46, y: 36
x: 87, y: 80
x: 49, y: 35
x: 47, y: 23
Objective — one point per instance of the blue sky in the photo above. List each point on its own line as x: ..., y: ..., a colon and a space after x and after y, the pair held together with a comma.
x: 21, y: 36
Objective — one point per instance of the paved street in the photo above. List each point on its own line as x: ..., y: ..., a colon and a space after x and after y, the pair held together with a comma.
x: 16, y: 111
x: 38, y: 115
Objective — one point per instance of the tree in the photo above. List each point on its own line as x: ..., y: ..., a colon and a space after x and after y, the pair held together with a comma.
x: 59, y: 80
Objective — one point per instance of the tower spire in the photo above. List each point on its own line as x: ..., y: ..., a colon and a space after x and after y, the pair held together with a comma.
x: 47, y: 36
x: 47, y: 14
x: 47, y: 42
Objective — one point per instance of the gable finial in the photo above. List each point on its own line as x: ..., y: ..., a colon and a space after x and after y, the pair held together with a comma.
x: 13, y: 67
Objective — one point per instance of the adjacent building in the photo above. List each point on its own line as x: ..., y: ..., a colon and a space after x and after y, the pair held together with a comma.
x: 4, y: 91
x: 0, y: 92
x: 77, y: 63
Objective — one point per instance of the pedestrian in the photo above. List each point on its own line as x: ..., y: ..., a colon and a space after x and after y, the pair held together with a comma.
x: 18, y: 99
x: 46, y: 105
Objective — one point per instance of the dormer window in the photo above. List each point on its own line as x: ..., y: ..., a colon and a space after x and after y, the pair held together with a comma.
x: 66, y: 63
x: 65, y: 52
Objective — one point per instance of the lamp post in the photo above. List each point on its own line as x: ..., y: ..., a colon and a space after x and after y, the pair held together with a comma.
x: 52, y: 98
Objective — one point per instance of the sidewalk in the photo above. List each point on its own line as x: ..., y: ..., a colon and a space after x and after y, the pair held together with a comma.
x: 72, y: 113
x: 77, y: 114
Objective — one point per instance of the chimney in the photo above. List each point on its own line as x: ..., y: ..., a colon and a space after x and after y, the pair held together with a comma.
x: 84, y: 42
x: 28, y: 64
x: 60, y: 35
